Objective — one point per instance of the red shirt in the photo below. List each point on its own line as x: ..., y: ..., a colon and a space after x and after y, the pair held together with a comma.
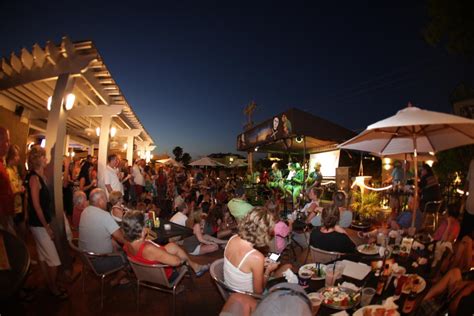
x: 6, y: 193
x: 139, y: 257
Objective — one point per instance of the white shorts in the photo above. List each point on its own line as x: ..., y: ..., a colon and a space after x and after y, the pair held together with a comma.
x: 196, y: 251
x: 45, y: 247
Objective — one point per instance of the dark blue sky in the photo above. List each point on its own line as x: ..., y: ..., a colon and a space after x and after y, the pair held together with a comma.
x: 188, y: 71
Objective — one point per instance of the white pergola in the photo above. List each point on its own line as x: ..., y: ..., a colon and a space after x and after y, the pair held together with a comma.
x: 48, y: 74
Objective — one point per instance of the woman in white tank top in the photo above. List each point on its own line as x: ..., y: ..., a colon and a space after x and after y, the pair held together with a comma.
x: 245, y: 268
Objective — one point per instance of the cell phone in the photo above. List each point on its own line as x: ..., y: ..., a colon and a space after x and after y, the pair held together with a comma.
x: 273, y: 256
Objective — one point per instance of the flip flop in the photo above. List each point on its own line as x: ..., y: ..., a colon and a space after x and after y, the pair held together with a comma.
x: 203, y: 270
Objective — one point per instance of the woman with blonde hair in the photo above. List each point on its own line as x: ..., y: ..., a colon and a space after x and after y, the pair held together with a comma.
x: 39, y: 219
x: 116, y: 207
x: 246, y: 268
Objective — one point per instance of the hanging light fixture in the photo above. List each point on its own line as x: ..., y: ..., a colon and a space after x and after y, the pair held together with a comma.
x: 113, y: 131
x: 48, y: 106
x: 97, y: 131
x: 70, y: 98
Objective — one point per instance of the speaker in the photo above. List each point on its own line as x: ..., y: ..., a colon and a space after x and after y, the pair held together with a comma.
x: 342, y: 178
x: 19, y: 110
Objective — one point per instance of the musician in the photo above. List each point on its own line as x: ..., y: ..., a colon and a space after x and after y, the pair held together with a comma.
x: 294, y: 181
x: 315, y: 177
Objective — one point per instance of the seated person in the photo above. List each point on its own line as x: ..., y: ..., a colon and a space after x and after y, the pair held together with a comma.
x: 450, y: 290
x: 245, y: 268
x: 200, y: 243
x: 282, y: 231
x: 450, y: 227
x: 116, y: 209
x: 345, y: 219
x: 404, y: 219
x: 80, y: 202
x: 147, y: 252
x: 312, y: 207
x: 181, y: 215
x: 97, y: 229
x: 461, y: 257
x: 282, y: 299
x: 327, y: 237
x: 214, y: 223
x: 238, y: 206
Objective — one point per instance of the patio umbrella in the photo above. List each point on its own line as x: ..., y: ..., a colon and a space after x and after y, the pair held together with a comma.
x: 414, y: 130
x: 170, y: 162
x: 206, y: 162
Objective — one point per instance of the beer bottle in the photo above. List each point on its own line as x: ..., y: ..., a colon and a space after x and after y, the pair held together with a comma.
x: 382, y: 280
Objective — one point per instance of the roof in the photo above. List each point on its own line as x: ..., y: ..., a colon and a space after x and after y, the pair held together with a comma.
x: 29, y: 80
x: 284, y: 133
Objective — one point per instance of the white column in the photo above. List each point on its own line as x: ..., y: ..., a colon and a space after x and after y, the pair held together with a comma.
x: 55, y: 141
x: 66, y: 144
x: 130, y: 150
x: 103, y: 148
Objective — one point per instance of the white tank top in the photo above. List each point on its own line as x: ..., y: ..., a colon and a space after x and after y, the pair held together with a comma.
x: 234, y: 277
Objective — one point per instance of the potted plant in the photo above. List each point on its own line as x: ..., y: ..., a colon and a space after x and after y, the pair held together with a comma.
x: 365, y: 206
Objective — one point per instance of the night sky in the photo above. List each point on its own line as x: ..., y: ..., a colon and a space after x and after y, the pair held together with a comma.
x: 188, y: 71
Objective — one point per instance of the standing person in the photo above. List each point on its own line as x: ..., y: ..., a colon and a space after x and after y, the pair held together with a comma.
x: 68, y: 186
x: 13, y: 159
x: 39, y: 219
x: 429, y: 187
x: 6, y: 193
x: 138, y: 178
x: 85, y: 181
x: 111, y: 178
x: 467, y: 225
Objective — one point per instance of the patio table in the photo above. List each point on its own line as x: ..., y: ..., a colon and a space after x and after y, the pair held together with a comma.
x: 369, y: 281
x: 175, y: 231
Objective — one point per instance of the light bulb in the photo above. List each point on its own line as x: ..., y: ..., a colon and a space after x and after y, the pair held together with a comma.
x: 48, y: 106
x: 97, y: 131
x: 70, y: 98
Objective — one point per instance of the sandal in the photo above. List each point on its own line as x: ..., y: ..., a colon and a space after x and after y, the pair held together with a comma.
x: 202, y: 271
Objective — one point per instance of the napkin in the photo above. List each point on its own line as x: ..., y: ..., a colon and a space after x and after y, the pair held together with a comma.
x: 389, y: 303
x: 350, y: 286
x: 290, y: 276
x: 355, y: 270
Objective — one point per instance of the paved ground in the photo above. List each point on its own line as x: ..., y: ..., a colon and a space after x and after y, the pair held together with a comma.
x: 199, y: 298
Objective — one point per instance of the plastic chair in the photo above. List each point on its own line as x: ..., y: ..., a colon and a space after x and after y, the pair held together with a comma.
x: 153, y: 276
x: 217, y: 273
x: 87, y: 257
x: 323, y: 256
x: 431, y: 214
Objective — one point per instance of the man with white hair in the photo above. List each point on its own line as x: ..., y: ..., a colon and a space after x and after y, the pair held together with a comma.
x: 111, y: 178
x: 97, y: 228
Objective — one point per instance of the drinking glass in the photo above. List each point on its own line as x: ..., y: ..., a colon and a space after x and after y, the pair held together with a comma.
x: 330, y: 275
x: 367, y: 295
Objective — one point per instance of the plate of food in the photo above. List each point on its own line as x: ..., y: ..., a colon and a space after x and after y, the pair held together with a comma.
x: 338, y: 297
x: 409, y: 283
x: 368, y: 249
x: 376, y: 310
x: 318, y: 271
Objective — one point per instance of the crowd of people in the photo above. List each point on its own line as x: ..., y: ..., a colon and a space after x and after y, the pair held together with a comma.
x: 111, y: 219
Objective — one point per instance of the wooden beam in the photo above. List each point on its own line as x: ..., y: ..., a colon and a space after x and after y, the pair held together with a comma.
x: 46, y: 72
x: 96, y: 86
x: 111, y: 110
